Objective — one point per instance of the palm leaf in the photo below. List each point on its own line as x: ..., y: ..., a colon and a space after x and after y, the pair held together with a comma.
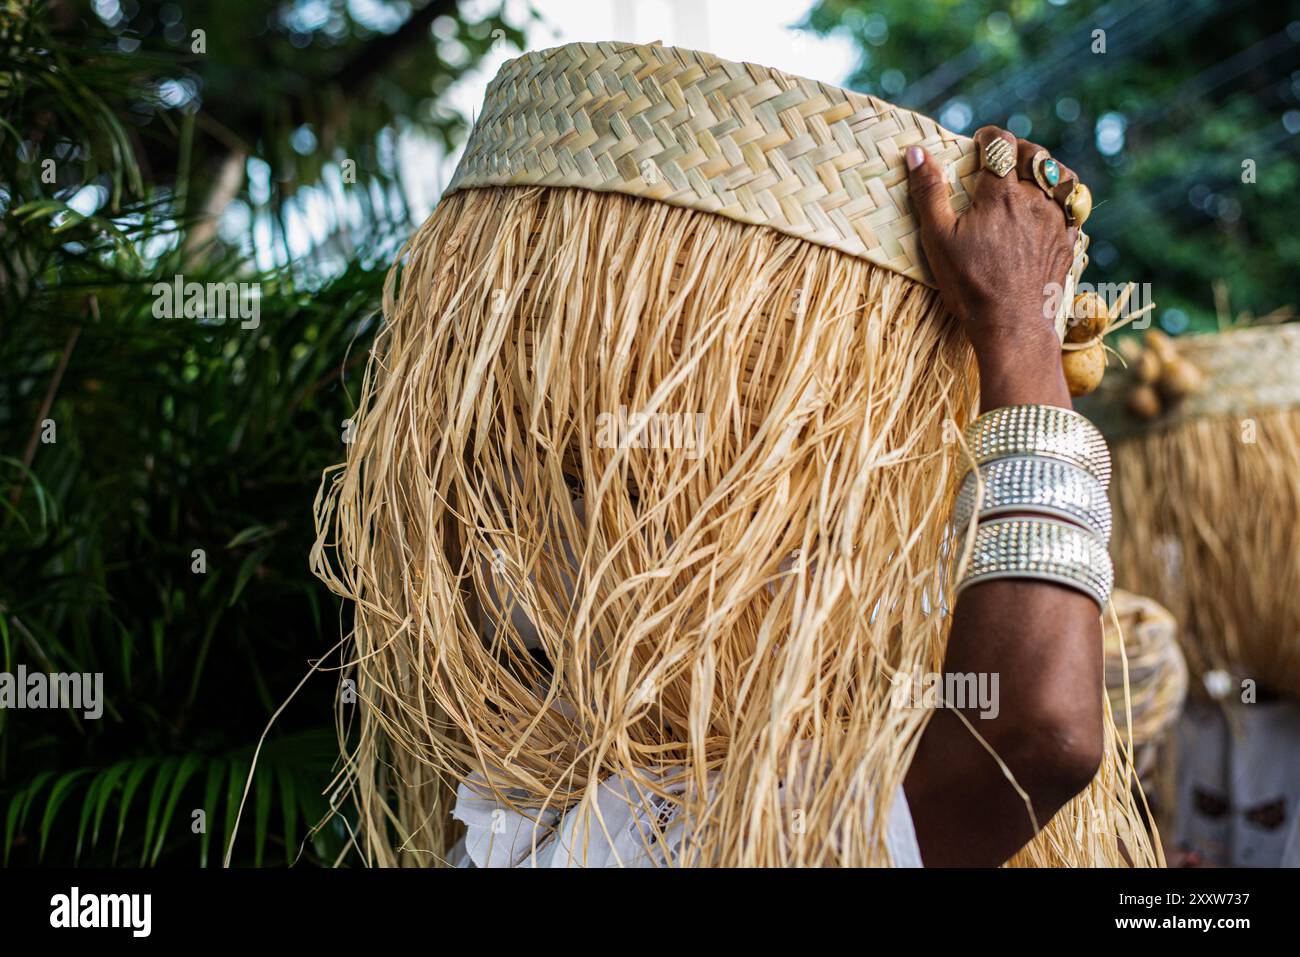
x: 289, y: 810
x: 58, y: 794
x: 139, y: 769
x: 211, y: 796
x: 18, y: 806
x: 263, y: 793
x: 88, y: 812
x: 107, y: 783
x: 166, y: 772
x: 188, y: 766
x: 234, y: 794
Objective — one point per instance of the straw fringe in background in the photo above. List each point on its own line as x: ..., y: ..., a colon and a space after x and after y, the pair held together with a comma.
x: 1207, y: 503
x: 1210, y: 526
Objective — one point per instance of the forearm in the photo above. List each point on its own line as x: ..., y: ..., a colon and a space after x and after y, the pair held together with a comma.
x: 1043, y: 641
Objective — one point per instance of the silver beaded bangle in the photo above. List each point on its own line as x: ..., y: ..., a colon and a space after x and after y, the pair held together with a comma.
x: 1040, y: 430
x: 1043, y: 549
x: 1034, y: 483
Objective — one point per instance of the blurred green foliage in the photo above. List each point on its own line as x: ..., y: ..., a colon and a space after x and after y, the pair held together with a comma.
x: 162, y: 538
x: 1158, y: 125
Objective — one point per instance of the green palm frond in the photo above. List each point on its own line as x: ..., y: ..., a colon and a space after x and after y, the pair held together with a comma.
x: 159, y: 541
x: 157, y: 798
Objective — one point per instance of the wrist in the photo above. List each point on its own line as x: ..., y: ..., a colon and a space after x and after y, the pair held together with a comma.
x: 1022, y: 370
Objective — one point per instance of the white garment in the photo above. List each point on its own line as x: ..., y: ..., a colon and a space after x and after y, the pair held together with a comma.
x: 1291, y: 855
x: 1239, y: 783
x: 619, y: 835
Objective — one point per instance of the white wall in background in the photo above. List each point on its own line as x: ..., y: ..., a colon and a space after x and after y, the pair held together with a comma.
x: 760, y: 31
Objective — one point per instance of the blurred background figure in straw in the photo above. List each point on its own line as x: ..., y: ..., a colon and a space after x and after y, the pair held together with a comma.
x: 1206, y: 443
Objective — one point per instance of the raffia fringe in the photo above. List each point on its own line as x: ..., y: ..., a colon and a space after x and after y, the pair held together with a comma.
x: 1207, y: 522
x: 735, y: 606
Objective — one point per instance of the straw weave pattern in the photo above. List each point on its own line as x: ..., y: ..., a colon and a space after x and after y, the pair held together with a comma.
x: 740, y: 140
x: 1246, y: 369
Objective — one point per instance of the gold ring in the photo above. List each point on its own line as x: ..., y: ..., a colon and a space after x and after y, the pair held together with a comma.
x: 999, y: 157
x: 1047, y: 171
x: 1078, y: 205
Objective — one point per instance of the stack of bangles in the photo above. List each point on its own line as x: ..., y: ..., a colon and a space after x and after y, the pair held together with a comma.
x: 1044, y: 513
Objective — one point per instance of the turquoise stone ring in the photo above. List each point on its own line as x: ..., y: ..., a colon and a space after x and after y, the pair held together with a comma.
x: 1047, y: 171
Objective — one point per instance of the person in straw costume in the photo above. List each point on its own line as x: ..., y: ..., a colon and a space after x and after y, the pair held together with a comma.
x: 1206, y: 437
x: 674, y: 636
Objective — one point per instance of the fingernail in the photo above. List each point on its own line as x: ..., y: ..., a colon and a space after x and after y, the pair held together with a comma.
x: 915, y: 156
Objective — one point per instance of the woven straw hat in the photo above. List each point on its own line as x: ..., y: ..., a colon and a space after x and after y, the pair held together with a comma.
x: 737, y: 139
